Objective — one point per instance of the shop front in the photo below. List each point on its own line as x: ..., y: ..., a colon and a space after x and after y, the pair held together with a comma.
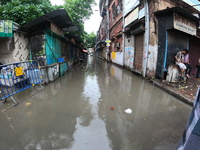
x: 134, y: 46
x: 100, y: 50
x: 177, y: 30
x: 134, y: 40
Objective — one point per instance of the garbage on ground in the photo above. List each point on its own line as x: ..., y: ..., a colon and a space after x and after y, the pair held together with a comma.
x: 112, y: 108
x: 128, y: 111
x: 183, y: 87
x: 28, y: 104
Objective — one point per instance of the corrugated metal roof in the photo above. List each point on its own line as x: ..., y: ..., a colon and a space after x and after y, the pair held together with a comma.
x: 60, y: 17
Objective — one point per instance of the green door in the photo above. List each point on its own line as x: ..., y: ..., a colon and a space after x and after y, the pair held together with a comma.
x: 53, y: 48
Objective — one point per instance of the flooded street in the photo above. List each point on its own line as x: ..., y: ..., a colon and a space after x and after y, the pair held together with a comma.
x: 85, y: 110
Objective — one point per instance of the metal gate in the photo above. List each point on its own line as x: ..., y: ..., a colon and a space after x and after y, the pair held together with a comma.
x: 139, y: 40
x: 17, y: 77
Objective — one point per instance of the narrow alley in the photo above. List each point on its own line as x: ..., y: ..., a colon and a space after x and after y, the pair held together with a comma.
x: 94, y: 106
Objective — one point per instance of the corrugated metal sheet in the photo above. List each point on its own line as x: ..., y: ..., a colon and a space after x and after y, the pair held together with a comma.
x: 59, y: 17
x: 53, y: 49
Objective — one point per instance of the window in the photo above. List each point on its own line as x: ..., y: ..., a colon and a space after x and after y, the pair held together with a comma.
x: 113, y: 12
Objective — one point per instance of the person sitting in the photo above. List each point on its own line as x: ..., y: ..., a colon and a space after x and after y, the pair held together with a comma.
x: 179, y: 59
x: 187, y: 64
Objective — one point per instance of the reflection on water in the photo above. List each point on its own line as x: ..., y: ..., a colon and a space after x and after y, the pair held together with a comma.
x: 74, y: 112
x: 93, y: 135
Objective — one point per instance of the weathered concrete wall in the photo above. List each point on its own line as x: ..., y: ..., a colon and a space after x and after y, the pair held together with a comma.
x: 5, y: 51
x: 117, y: 57
x: 163, y: 4
x: 153, y: 40
x: 104, y: 53
x: 14, y: 49
x: 129, y: 57
x: 153, y: 43
x: 152, y: 60
x: 116, y: 25
x: 21, y: 50
x: 129, y: 51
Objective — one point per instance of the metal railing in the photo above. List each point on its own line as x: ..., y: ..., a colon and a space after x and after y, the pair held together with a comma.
x: 17, y: 77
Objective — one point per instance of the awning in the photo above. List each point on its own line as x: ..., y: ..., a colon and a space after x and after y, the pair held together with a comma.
x: 134, y: 24
x: 101, y: 42
x: 179, y: 11
x: 60, y: 17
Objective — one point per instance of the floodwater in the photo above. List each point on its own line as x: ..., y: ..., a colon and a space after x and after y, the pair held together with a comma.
x: 85, y: 110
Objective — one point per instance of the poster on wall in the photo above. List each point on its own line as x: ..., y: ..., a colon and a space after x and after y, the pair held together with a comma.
x: 129, y: 56
x: 129, y: 5
x: 6, y: 28
x: 113, y: 55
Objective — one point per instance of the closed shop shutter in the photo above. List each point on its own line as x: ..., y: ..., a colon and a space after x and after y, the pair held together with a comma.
x: 139, y: 40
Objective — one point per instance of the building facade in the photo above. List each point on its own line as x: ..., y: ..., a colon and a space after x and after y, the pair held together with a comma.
x: 145, y: 35
x: 15, y: 48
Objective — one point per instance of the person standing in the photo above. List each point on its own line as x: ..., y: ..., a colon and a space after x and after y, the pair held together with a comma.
x: 81, y: 58
x: 187, y: 64
x: 179, y: 59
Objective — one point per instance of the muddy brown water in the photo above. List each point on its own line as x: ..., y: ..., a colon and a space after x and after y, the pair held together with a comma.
x: 85, y: 110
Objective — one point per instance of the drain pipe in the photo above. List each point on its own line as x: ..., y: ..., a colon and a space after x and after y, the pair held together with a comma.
x: 123, y: 34
x: 146, y: 46
x: 108, y: 30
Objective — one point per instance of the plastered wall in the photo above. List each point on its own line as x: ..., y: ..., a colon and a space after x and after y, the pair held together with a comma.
x: 14, y: 49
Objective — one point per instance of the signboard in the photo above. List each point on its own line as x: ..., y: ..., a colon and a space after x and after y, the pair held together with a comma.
x: 131, y: 17
x: 141, y: 13
x: 56, y: 29
x: 193, y: 3
x: 108, y: 44
x: 19, y: 71
x: 6, y: 28
x: 129, y: 5
x: 184, y: 25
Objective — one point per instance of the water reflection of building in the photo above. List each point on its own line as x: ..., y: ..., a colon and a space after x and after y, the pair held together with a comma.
x: 36, y: 119
x: 150, y: 109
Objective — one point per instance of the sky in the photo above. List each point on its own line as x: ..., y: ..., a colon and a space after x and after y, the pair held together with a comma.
x: 91, y: 25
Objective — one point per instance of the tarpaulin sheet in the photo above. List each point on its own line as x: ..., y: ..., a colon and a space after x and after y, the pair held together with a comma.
x: 191, y: 136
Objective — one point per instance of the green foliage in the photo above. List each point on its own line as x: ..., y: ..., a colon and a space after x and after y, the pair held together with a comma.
x: 79, y: 11
x: 23, y: 11
x: 90, y: 40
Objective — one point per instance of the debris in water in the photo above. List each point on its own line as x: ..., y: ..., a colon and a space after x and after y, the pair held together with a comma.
x: 112, y: 108
x: 128, y: 111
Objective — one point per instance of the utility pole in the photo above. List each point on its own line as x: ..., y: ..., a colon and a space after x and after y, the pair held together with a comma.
x: 146, y: 46
x: 123, y: 29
